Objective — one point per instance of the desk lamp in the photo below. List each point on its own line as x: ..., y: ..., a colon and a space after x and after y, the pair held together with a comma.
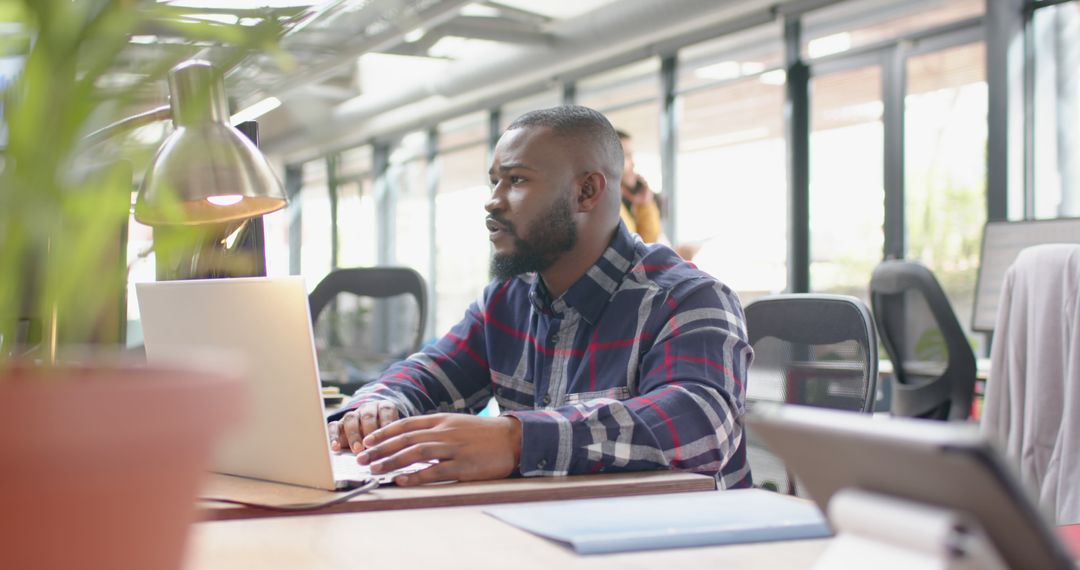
x: 206, y: 171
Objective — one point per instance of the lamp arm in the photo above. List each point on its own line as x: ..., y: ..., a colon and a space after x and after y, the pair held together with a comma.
x: 123, y: 125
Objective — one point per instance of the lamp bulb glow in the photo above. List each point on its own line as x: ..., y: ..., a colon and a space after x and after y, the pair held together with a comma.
x: 225, y: 200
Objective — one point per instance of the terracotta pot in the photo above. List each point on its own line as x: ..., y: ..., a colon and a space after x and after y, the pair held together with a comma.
x: 100, y: 467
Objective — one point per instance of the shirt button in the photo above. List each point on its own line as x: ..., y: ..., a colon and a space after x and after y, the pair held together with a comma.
x: 553, y: 338
x: 541, y: 464
x: 547, y: 399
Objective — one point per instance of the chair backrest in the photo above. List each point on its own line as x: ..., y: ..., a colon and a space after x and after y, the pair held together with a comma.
x: 933, y: 364
x: 812, y: 350
x: 375, y: 283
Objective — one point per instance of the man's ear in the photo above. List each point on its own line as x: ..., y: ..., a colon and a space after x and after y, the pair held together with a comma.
x: 593, y: 186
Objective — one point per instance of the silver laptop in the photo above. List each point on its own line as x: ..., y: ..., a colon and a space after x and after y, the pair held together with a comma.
x: 266, y: 322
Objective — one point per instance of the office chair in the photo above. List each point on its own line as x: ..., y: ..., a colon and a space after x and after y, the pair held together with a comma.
x: 933, y: 364
x: 364, y: 334
x: 1032, y: 403
x: 811, y: 350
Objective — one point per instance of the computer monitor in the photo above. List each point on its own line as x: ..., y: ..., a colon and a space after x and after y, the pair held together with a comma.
x: 1002, y: 242
x: 945, y: 465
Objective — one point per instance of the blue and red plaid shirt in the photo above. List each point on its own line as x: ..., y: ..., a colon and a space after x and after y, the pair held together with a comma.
x: 641, y: 364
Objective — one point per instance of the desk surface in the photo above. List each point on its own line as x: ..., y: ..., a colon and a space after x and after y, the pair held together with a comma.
x: 448, y: 495
x: 447, y: 539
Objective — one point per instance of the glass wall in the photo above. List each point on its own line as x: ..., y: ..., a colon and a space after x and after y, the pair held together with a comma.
x: 945, y: 168
x: 412, y: 225
x: 846, y: 181
x: 849, y: 25
x: 630, y: 98
x: 462, y: 248
x: 1056, y: 32
x: 357, y: 225
x: 313, y: 201
x: 276, y: 236
x: 141, y: 269
x: 518, y: 107
x: 731, y: 158
x: 732, y: 183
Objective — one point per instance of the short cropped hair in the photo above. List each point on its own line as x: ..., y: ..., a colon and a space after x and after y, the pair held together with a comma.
x: 583, y: 124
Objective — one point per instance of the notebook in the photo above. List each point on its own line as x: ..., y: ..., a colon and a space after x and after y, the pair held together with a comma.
x: 677, y: 520
x: 266, y: 322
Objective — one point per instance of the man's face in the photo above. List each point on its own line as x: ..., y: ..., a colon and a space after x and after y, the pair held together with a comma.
x: 530, y: 213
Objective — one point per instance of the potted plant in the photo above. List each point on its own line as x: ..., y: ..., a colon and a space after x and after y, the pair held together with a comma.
x: 100, y: 461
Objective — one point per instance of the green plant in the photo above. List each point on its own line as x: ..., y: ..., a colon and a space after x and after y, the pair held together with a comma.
x: 64, y: 208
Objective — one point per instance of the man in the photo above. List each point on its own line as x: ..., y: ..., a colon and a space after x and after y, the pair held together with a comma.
x: 639, y: 210
x: 604, y: 354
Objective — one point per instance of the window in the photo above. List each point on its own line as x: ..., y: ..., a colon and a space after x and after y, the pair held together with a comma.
x: 945, y: 170
x: 741, y: 54
x: 846, y: 181
x: 276, y: 234
x: 516, y: 108
x: 357, y: 227
x: 619, y: 87
x: 462, y: 249
x: 848, y: 25
x: 412, y: 220
x: 141, y: 269
x: 462, y: 131
x: 1057, y: 111
x: 314, y: 204
x: 643, y: 124
x: 354, y: 163
x: 630, y: 98
x: 733, y: 183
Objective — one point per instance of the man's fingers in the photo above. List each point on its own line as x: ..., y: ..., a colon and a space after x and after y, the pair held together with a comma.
x: 424, y: 451
x: 333, y: 429
x: 368, y: 424
x: 393, y: 445
x: 351, y: 427
x: 388, y: 414
x: 399, y: 427
x: 437, y: 473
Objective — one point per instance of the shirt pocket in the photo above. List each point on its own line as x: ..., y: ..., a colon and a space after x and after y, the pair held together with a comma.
x: 616, y: 393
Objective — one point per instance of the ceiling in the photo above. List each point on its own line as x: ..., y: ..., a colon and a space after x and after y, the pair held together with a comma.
x: 349, y: 70
x: 343, y: 52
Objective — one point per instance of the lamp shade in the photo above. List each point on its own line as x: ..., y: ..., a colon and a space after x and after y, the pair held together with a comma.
x: 206, y: 171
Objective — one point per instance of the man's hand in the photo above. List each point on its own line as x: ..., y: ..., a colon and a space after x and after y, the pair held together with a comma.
x: 349, y: 432
x: 467, y: 448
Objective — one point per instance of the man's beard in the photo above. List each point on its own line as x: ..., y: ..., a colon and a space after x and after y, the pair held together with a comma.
x: 551, y: 234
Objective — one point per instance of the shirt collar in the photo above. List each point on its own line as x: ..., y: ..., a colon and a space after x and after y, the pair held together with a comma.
x: 590, y: 294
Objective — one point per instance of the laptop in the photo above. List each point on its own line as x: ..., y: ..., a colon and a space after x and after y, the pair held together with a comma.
x: 934, y: 463
x: 266, y: 322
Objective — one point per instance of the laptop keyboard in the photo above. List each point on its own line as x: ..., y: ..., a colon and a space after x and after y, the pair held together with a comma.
x: 347, y: 469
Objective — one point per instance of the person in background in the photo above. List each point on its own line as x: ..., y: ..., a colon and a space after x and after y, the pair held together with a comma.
x: 640, y: 211
x: 603, y: 353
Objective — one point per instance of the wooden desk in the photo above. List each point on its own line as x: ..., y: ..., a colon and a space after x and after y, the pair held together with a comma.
x: 447, y: 539
x: 448, y: 495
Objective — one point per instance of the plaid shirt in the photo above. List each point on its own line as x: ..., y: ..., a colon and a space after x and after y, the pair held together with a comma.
x: 641, y: 364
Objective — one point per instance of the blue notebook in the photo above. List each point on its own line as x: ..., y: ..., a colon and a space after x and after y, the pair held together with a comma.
x: 679, y: 520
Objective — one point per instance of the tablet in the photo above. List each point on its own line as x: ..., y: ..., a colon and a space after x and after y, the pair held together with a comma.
x: 935, y: 463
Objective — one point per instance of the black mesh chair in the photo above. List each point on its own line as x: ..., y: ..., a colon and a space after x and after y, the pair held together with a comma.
x: 933, y: 364
x: 366, y: 318
x: 810, y: 350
